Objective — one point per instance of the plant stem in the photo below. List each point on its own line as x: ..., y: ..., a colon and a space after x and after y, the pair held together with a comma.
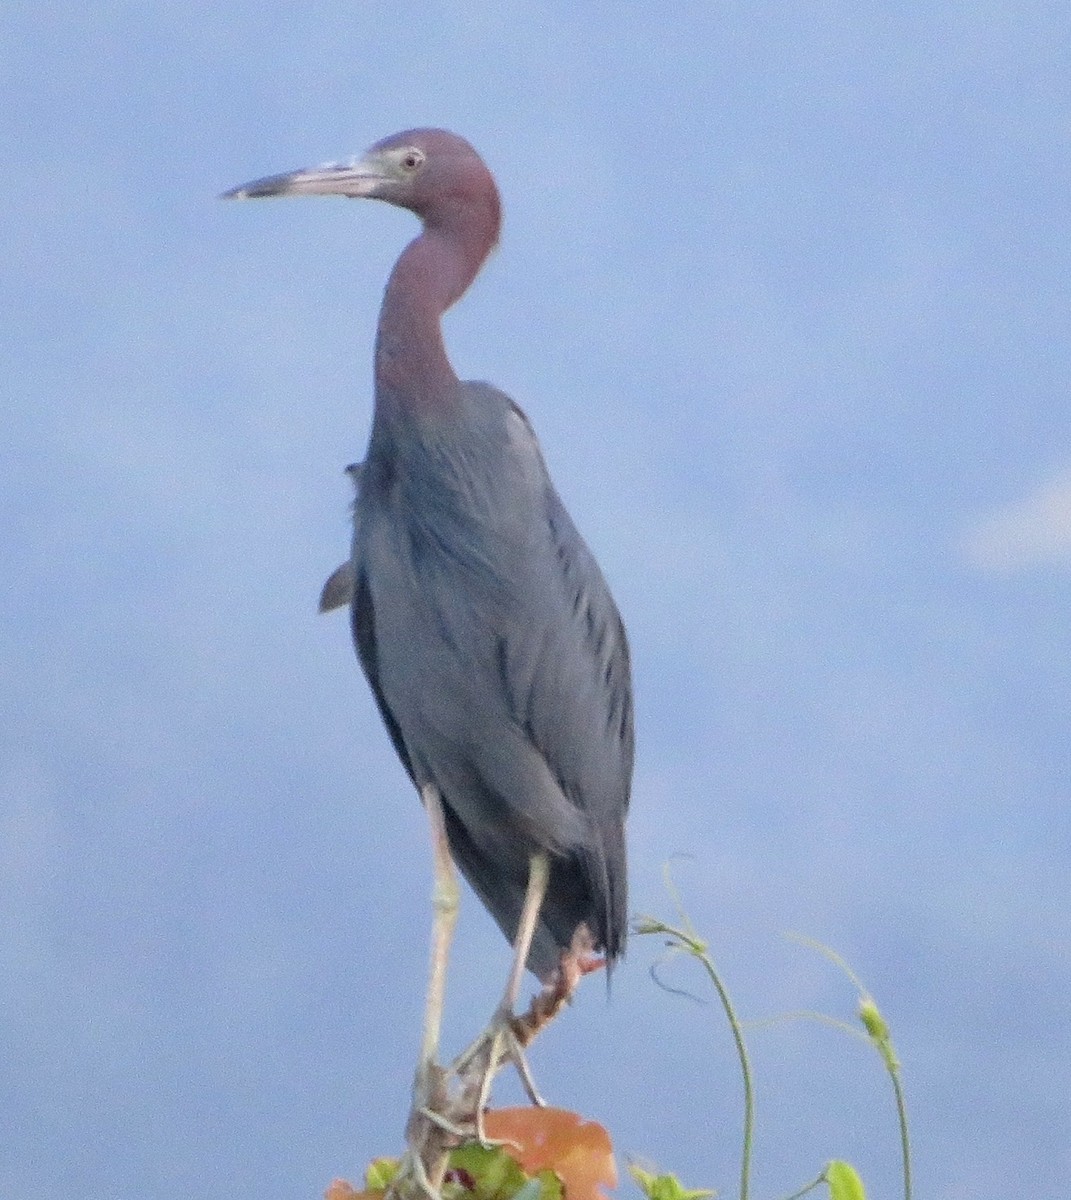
x: 905, y: 1141
x: 877, y: 1033
x: 808, y: 1188
x: 687, y: 940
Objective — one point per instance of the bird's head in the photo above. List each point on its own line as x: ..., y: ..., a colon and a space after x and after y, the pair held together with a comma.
x: 432, y: 172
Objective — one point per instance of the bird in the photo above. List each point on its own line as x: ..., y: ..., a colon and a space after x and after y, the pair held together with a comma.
x: 486, y: 630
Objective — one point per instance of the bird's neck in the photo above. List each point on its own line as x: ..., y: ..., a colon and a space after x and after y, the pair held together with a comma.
x: 413, y: 372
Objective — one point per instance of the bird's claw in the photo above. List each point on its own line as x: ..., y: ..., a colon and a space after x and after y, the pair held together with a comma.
x: 476, y: 1068
x: 412, y: 1179
x: 449, y: 1102
x: 460, y: 1129
x: 434, y: 1128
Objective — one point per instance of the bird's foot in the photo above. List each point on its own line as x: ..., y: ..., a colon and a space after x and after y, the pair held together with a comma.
x: 433, y: 1129
x: 501, y: 1042
x: 576, y: 962
x: 506, y: 1037
x: 412, y: 1181
x: 449, y: 1104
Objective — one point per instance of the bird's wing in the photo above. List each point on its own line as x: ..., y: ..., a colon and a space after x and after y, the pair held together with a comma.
x: 570, y: 678
x: 363, y: 623
x: 568, y: 681
x: 566, y: 669
x: 338, y: 590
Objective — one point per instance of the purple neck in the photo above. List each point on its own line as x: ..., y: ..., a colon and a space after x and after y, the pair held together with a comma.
x: 413, y: 373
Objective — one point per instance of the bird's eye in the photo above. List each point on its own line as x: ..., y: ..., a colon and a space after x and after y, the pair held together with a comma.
x: 412, y: 160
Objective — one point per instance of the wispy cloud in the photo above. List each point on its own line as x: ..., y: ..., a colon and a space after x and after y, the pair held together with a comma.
x: 1029, y: 532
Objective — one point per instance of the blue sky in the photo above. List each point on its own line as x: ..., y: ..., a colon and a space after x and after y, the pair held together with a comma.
x: 784, y: 290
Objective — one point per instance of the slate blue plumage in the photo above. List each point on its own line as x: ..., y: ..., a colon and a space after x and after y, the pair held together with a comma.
x: 498, y: 660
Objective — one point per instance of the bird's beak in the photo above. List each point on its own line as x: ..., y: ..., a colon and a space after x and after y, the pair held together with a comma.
x: 359, y: 177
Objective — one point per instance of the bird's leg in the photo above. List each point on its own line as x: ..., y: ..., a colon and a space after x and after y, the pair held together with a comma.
x: 557, y: 991
x: 445, y: 903
x: 576, y: 962
x: 477, y: 1066
x: 429, y: 1131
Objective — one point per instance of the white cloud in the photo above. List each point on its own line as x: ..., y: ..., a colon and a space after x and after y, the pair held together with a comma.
x: 1029, y: 532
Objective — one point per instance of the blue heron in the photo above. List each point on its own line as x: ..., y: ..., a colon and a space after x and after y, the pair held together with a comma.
x: 488, y: 635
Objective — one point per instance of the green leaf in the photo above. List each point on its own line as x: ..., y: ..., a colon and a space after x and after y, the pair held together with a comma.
x: 665, y: 1187
x: 844, y: 1183
x: 544, y: 1186
x: 550, y: 1185
x: 380, y: 1174
x: 496, y: 1176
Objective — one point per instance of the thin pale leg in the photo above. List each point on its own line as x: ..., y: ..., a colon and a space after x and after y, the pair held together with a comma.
x: 534, y: 895
x: 477, y: 1066
x: 446, y: 900
x: 428, y: 1130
